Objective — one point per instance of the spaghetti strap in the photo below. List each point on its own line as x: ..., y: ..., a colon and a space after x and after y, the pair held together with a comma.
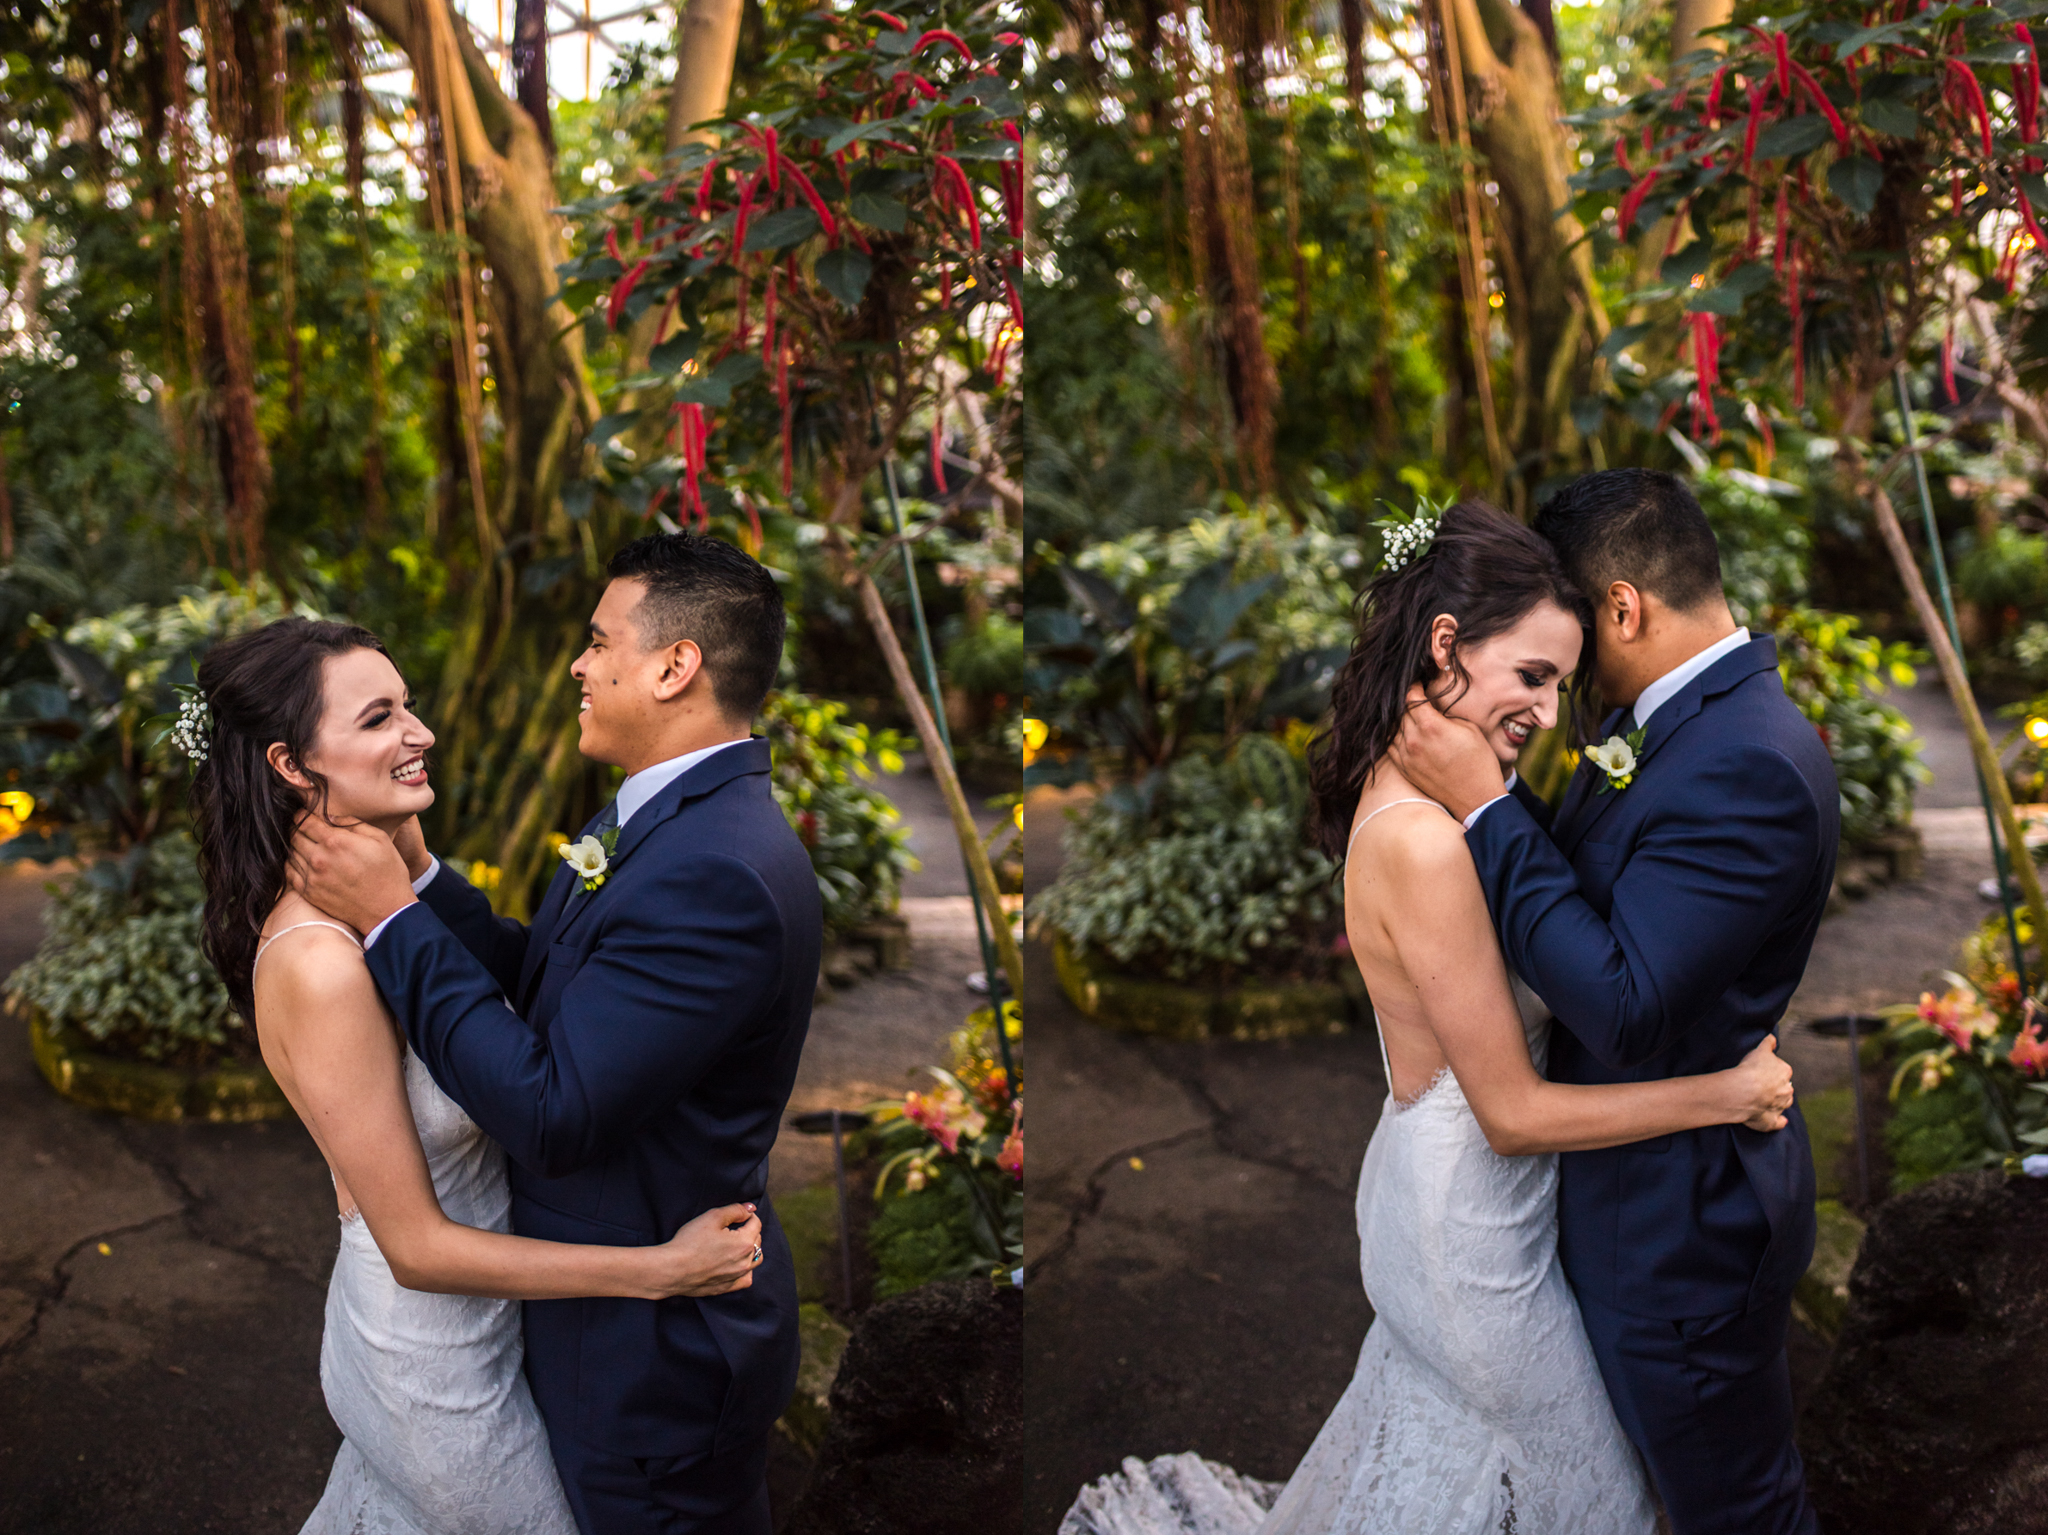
x: 1389, y: 805
x: 348, y: 933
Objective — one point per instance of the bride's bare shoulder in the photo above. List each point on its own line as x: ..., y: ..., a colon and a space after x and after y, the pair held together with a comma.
x: 304, y: 952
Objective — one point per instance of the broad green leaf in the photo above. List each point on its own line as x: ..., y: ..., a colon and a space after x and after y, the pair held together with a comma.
x: 1726, y: 298
x: 1683, y: 266
x: 1622, y: 337
x: 1857, y: 182
x: 787, y: 226
x: 715, y: 388
x: 610, y: 426
x: 986, y: 149
x: 844, y: 272
x: 1888, y: 114
x: 670, y: 356
x: 1792, y: 137
x: 882, y: 212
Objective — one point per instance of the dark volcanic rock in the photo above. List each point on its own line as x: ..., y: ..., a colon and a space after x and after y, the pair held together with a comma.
x: 927, y: 1420
x: 1929, y: 1421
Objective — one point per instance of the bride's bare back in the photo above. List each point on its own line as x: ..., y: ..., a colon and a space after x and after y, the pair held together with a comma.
x: 1425, y: 945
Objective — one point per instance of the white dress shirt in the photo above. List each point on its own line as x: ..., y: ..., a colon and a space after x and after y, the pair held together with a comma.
x: 1652, y: 698
x: 636, y: 791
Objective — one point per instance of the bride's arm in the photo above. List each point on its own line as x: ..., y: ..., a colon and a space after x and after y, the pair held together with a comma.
x: 346, y: 1065
x: 1434, y: 911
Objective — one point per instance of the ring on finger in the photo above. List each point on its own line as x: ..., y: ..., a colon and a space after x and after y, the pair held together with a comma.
x: 755, y: 1255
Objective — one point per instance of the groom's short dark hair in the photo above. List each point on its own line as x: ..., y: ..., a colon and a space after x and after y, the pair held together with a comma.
x: 1641, y: 526
x: 703, y: 589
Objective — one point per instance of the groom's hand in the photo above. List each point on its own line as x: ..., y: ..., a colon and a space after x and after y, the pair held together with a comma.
x: 1447, y: 759
x: 350, y: 872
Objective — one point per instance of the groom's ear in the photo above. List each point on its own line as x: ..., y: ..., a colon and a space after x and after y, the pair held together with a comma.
x: 1622, y: 610
x: 680, y: 667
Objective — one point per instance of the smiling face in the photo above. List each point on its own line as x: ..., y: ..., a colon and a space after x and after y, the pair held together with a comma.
x: 622, y: 718
x: 1512, y: 680
x: 369, y: 746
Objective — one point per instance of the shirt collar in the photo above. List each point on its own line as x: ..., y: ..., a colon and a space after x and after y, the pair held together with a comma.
x: 642, y: 786
x: 1667, y: 687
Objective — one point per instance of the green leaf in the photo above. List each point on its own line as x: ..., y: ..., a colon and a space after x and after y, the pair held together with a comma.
x: 715, y: 388
x: 882, y: 212
x: 1857, y: 182
x: 844, y: 272
x: 1792, y: 137
x: 1623, y: 337
x: 1726, y: 298
x: 2000, y: 53
x: 670, y: 356
x: 1683, y: 266
x: 1888, y: 114
x: 986, y: 149
x: 2035, y: 186
x: 609, y: 426
x: 576, y: 498
x: 1862, y: 37
x: 788, y: 226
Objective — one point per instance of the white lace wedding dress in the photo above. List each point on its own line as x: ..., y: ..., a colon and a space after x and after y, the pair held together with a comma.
x: 441, y: 1436
x: 1477, y: 1408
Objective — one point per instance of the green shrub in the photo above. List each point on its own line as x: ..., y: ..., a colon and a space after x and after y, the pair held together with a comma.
x: 1196, y: 875
x: 1763, y: 536
x: 921, y: 1236
x: 1835, y: 676
x: 824, y: 781
x: 1937, y: 1132
x: 122, y: 963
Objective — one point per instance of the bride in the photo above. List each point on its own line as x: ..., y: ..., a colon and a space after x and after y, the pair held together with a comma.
x: 1477, y: 1405
x: 421, y: 1358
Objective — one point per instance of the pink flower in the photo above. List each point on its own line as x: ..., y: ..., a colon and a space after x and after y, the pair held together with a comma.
x: 944, y: 1115
x: 2029, y: 1050
x: 1011, y: 1158
x: 1958, y: 1016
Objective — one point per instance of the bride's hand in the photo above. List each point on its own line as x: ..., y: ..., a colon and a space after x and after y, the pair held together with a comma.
x: 714, y: 1254
x: 1762, y: 1085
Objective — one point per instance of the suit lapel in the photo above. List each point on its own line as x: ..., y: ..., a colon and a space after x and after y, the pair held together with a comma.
x: 1581, y: 788
x: 737, y: 760
x: 1758, y: 655
x: 562, y: 889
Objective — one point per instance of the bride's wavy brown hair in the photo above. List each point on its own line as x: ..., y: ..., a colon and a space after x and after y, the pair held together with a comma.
x: 260, y: 687
x: 1484, y: 569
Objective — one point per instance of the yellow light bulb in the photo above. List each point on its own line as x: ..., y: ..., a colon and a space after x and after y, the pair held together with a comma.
x: 2037, y: 732
x: 1036, y: 733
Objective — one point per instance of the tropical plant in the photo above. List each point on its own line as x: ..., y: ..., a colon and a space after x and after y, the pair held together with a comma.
x: 122, y: 963
x: 824, y: 780
x: 83, y: 747
x: 1837, y: 676
x: 955, y: 1156
x: 1182, y: 640
x: 1201, y: 872
x: 1983, y: 1040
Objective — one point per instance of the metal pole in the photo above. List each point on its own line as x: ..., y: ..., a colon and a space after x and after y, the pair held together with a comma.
x: 845, y: 1228
x: 1999, y: 862
x: 989, y: 968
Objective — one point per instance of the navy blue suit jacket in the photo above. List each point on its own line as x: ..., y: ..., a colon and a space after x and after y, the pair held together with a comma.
x: 640, y: 1082
x: 1666, y: 925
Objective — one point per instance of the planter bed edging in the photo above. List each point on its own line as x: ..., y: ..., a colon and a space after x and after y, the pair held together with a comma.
x: 234, y: 1092
x: 1169, y: 1010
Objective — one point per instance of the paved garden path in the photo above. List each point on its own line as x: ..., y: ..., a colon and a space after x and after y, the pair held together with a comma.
x: 161, y: 1286
x: 1194, y: 1274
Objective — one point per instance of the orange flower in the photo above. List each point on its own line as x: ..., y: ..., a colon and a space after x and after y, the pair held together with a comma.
x: 1011, y: 1158
x: 2029, y: 1050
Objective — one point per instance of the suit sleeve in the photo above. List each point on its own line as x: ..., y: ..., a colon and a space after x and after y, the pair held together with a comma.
x: 1709, y: 879
x: 655, y: 1004
x: 1538, y: 808
x: 498, y: 943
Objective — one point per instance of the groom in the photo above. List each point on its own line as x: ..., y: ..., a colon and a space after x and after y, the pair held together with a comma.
x: 1666, y: 923
x: 659, y: 1016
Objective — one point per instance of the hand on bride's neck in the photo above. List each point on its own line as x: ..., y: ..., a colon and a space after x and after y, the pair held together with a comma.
x: 1639, y: 637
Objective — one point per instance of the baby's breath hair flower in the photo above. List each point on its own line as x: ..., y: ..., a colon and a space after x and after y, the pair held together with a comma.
x: 1404, y: 539
x: 193, y: 730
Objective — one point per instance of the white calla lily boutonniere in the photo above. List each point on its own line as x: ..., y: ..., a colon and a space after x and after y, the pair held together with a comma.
x: 1616, y: 757
x: 592, y: 857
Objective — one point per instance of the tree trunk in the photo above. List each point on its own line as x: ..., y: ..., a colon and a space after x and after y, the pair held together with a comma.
x: 530, y: 67
x: 1559, y: 322
x: 508, y: 738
